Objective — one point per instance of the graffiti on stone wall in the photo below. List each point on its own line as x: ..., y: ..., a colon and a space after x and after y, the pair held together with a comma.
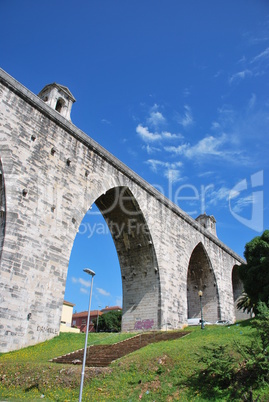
x: 144, y: 324
x: 47, y: 329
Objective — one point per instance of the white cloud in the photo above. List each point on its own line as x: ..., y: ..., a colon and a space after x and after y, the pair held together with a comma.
x: 170, y: 170
x: 156, y: 119
x: 103, y: 292
x: 215, y: 125
x: 186, y: 92
x: 242, y: 203
x: 179, y: 150
x: 173, y: 175
x: 157, y: 163
x: 82, y: 282
x: 215, y: 196
x: 223, y: 195
x: 151, y: 150
x: 105, y: 121
x: 187, y: 119
x: 252, y: 101
x: 83, y: 290
x: 146, y: 135
x: 261, y: 56
x: 207, y: 146
x: 240, y: 75
x: 168, y: 135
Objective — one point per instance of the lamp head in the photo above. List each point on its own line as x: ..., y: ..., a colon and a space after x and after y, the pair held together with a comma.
x: 89, y: 271
x: 200, y: 293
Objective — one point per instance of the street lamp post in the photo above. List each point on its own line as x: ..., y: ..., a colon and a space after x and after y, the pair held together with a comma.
x: 200, y: 294
x: 92, y: 273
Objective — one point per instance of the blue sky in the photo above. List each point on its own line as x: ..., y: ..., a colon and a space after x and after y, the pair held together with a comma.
x: 177, y: 90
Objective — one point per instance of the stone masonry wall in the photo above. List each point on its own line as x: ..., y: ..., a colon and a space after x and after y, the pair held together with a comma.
x: 53, y: 173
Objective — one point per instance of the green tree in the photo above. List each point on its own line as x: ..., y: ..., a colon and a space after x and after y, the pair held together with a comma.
x: 109, y: 322
x: 255, y: 273
x: 244, y: 303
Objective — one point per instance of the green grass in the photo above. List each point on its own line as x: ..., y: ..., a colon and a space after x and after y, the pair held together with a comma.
x: 165, y: 371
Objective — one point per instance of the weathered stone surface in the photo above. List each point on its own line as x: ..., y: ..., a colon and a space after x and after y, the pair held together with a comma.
x: 52, y: 173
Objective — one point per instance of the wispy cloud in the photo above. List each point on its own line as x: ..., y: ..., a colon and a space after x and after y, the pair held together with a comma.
x: 241, y: 75
x: 186, y: 119
x: 103, y: 292
x: 105, y: 121
x: 252, y: 101
x: 154, y: 164
x: 241, y: 203
x: 186, y: 92
x: 81, y: 281
x: 170, y: 170
x: 155, y: 129
x: 261, y: 56
x: 83, y: 290
x: 155, y: 119
x: 150, y: 149
x: 215, y: 196
x: 207, y: 146
x: 215, y: 125
x: 148, y: 136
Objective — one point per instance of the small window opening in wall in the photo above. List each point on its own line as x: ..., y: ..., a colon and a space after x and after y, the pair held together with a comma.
x: 59, y: 105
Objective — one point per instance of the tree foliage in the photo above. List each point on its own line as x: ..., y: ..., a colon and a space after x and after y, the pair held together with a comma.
x: 244, y: 303
x: 109, y: 322
x: 255, y: 273
x: 241, y: 369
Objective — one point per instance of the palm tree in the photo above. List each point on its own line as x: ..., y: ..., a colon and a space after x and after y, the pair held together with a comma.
x: 244, y: 303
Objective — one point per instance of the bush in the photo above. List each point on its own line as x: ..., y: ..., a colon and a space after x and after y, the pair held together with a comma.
x: 242, y: 369
x: 256, y: 356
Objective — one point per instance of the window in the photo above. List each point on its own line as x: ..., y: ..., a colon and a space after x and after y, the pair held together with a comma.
x: 59, y: 105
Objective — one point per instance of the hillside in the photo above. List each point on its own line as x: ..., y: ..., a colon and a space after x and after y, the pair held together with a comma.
x: 162, y: 371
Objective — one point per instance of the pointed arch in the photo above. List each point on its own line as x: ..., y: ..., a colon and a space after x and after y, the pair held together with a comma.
x: 201, y: 277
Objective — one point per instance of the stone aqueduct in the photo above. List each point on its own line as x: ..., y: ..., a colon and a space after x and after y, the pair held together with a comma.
x: 51, y: 173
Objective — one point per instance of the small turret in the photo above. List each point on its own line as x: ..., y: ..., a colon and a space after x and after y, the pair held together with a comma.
x: 59, y: 98
x: 208, y: 222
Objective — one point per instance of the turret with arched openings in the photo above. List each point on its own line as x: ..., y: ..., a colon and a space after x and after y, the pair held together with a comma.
x: 59, y: 98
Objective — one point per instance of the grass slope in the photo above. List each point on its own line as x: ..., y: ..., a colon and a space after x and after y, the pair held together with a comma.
x: 165, y: 371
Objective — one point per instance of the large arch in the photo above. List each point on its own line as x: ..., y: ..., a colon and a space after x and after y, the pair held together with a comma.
x: 137, y: 258
x: 238, y: 290
x: 2, y: 209
x: 201, y: 277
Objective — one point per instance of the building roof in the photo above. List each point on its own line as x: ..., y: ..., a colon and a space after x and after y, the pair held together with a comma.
x: 85, y: 314
x: 112, y: 308
x: 61, y: 87
x: 67, y: 303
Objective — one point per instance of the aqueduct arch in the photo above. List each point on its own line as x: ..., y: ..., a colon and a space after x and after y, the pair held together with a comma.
x: 137, y: 258
x: 2, y: 208
x: 53, y: 172
x: 201, y: 277
x: 238, y: 289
